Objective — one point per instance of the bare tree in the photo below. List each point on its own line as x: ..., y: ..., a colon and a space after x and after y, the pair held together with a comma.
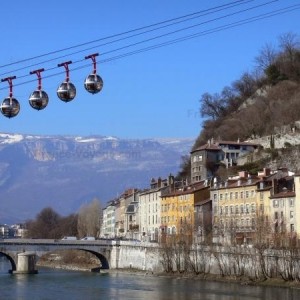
x: 46, y: 225
x: 212, y: 106
x: 289, y: 43
x: 68, y: 225
x: 89, y: 219
x: 289, y: 58
x: 167, y: 255
x: 266, y: 57
x: 246, y: 85
x: 200, y: 259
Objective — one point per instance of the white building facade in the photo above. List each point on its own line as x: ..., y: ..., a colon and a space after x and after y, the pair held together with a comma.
x: 108, y: 225
x: 150, y: 210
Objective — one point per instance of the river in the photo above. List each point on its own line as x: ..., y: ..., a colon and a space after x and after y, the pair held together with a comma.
x: 60, y: 284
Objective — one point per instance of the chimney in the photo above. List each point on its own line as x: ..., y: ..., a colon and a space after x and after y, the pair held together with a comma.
x: 267, y: 171
x: 152, y: 183
x: 243, y: 174
x: 215, y: 182
x: 159, y: 182
x: 171, y: 182
x: 275, y: 186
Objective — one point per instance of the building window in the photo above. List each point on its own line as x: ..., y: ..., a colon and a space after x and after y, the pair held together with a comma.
x: 231, y: 196
x: 221, y: 197
x: 242, y: 195
x: 247, y: 194
x: 226, y: 210
x: 242, y: 209
x: 247, y: 222
x: 292, y: 228
x: 231, y: 210
x: 236, y: 209
x: 247, y: 208
x: 275, y: 203
x: 291, y: 202
x: 291, y: 214
x: 253, y: 208
x: 261, y: 208
x: 215, y: 197
x: 236, y: 195
x: 261, y: 195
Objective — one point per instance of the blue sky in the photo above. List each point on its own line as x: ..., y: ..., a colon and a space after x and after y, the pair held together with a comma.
x: 150, y: 94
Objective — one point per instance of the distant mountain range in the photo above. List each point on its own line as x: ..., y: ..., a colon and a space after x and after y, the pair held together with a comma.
x: 64, y: 172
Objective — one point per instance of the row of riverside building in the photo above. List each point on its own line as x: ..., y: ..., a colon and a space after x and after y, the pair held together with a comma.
x: 243, y: 209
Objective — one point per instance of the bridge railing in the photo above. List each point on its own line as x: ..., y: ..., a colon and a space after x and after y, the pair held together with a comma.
x: 18, y: 241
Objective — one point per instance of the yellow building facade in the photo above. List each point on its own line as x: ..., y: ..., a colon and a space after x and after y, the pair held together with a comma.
x: 177, y: 208
x: 242, y: 211
x: 235, y: 210
x: 177, y: 212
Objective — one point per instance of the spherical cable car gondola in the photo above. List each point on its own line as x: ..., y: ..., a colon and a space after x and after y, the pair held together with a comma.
x: 67, y: 90
x: 93, y: 82
x: 39, y: 98
x: 10, y: 106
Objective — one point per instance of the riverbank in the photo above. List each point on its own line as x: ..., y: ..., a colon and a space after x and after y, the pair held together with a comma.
x: 275, y: 282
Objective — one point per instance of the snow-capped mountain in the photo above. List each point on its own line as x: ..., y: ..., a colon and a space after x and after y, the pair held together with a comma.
x: 63, y: 172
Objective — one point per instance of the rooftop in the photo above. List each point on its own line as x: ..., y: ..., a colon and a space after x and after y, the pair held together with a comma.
x: 216, y: 145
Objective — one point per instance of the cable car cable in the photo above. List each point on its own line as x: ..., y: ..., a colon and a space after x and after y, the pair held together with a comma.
x: 209, y: 31
x: 147, y: 40
x: 126, y: 32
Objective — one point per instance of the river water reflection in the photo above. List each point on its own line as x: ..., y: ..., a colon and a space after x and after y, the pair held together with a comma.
x: 60, y: 284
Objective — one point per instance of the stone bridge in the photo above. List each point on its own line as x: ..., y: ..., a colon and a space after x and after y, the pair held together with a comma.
x: 23, y: 253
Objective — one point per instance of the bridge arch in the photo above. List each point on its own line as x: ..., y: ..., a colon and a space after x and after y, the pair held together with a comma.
x: 101, y: 257
x: 104, y: 251
x: 11, y: 260
x: 103, y: 261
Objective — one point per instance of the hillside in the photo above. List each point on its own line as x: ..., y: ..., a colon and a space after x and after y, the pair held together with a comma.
x: 260, y: 104
x: 64, y: 172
